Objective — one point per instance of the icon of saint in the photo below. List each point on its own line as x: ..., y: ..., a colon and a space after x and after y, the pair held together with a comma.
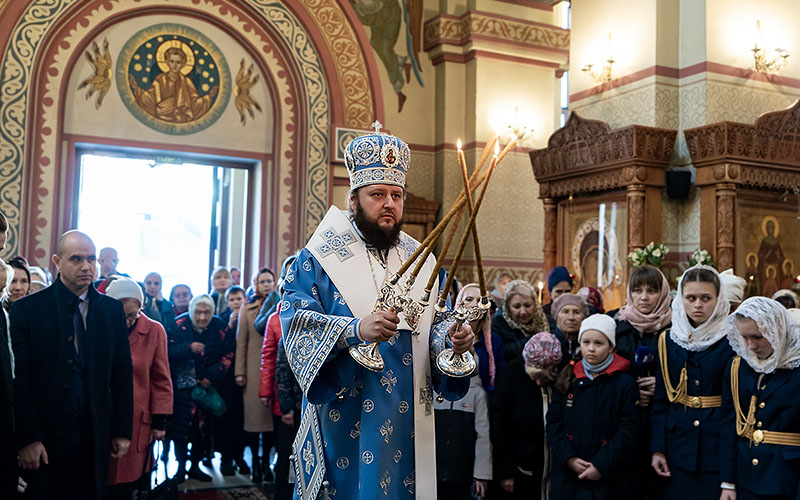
x: 172, y: 97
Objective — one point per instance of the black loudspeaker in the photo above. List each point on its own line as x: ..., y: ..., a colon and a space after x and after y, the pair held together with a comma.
x: 678, y: 184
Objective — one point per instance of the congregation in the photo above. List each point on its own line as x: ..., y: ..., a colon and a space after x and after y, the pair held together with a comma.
x: 568, y: 401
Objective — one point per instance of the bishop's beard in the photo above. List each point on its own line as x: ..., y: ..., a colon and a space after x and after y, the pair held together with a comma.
x: 380, y: 237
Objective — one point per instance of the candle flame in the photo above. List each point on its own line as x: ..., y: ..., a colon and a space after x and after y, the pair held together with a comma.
x: 497, y: 148
x: 540, y: 285
x: 458, y: 144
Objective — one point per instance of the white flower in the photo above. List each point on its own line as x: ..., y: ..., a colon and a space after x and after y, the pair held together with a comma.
x: 656, y: 253
x: 650, y: 246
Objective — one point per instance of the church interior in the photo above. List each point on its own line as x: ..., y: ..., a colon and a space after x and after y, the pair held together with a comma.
x: 671, y: 122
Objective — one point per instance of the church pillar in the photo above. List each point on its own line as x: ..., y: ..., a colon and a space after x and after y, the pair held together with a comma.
x: 726, y: 201
x: 636, y: 225
x: 550, y: 247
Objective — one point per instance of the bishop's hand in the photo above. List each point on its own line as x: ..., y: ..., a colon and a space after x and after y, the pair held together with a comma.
x: 462, y: 338
x: 379, y: 326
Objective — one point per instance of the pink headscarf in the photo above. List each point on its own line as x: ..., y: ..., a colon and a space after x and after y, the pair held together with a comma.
x: 486, y: 328
x: 660, y: 317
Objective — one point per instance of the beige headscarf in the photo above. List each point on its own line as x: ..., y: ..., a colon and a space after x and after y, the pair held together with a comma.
x: 539, y: 322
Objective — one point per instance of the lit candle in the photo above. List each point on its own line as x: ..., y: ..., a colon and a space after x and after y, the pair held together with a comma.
x: 540, y: 285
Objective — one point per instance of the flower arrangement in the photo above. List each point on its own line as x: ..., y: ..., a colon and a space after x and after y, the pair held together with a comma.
x: 701, y: 256
x: 652, y: 254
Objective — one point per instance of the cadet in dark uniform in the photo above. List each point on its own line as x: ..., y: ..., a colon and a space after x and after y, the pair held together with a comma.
x: 761, y: 438
x: 686, y: 415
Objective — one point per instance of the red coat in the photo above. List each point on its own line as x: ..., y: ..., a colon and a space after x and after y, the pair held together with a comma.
x: 269, y: 353
x: 152, y: 394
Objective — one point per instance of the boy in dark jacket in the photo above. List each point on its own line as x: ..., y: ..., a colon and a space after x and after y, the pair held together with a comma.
x: 591, y: 423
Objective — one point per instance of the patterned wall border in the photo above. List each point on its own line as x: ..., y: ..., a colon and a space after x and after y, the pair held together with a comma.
x: 350, y: 63
x: 476, y: 25
x: 15, y: 78
x: 35, y: 25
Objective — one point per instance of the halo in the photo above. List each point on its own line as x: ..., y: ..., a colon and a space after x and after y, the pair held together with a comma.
x: 747, y: 258
x: 774, y: 269
x: 162, y: 64
x: 785, y: 261
x: 764, y: 225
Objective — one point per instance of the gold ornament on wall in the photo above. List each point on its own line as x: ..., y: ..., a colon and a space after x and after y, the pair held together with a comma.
x: 767, y: 61
x: 100, y: 81
x: 241, y: 91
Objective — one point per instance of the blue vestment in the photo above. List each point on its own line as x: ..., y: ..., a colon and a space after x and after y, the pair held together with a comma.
x: 362, y: 422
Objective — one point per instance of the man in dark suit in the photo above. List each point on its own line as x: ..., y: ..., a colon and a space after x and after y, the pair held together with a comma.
x: 73, y: 391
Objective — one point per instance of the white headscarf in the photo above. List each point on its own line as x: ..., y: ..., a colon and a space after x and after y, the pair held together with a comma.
x: 734, y: 285
x: 707, y: 334
x: 776, y: 325
x: 196, y: 301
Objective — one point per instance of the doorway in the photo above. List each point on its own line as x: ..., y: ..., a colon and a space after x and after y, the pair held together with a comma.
x: 162, y: 214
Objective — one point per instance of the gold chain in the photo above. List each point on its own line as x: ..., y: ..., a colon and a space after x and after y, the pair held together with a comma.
x: 386, y: 270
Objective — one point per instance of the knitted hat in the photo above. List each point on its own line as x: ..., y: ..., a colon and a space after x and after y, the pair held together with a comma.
x: 125, y: 288
x: 602, y: 323
x: 377, y: 159
x: 566, y: 299
x: 543, y: 350
x: 557, y: 275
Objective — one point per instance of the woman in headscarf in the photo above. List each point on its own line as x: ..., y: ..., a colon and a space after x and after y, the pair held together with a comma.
x: 194, y: 346
x: 488, y: 346
x: 593, y: 299
x: 520, y: 318
x: 519, y: 406
x: 152, y: 388
x: 180, y: 296
x: 645, y: 315
x: 761, y: 435
x: 569, y: 311
x: 686, y: 415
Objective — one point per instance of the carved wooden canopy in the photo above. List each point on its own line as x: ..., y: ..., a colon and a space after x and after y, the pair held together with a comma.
x: 765, y: 155
x: 587, y: 156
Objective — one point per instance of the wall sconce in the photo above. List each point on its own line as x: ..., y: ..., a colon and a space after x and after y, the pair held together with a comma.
x: 768, y: 61
x: 515, y: 124
x: 603, y: 75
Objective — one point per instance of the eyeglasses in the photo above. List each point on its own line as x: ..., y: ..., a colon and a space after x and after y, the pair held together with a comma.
x: 134, y: 316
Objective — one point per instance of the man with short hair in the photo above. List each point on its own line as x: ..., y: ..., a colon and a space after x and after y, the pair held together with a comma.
x: 108, y: 260
x: 368, y: 434
x: 73, y: 391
